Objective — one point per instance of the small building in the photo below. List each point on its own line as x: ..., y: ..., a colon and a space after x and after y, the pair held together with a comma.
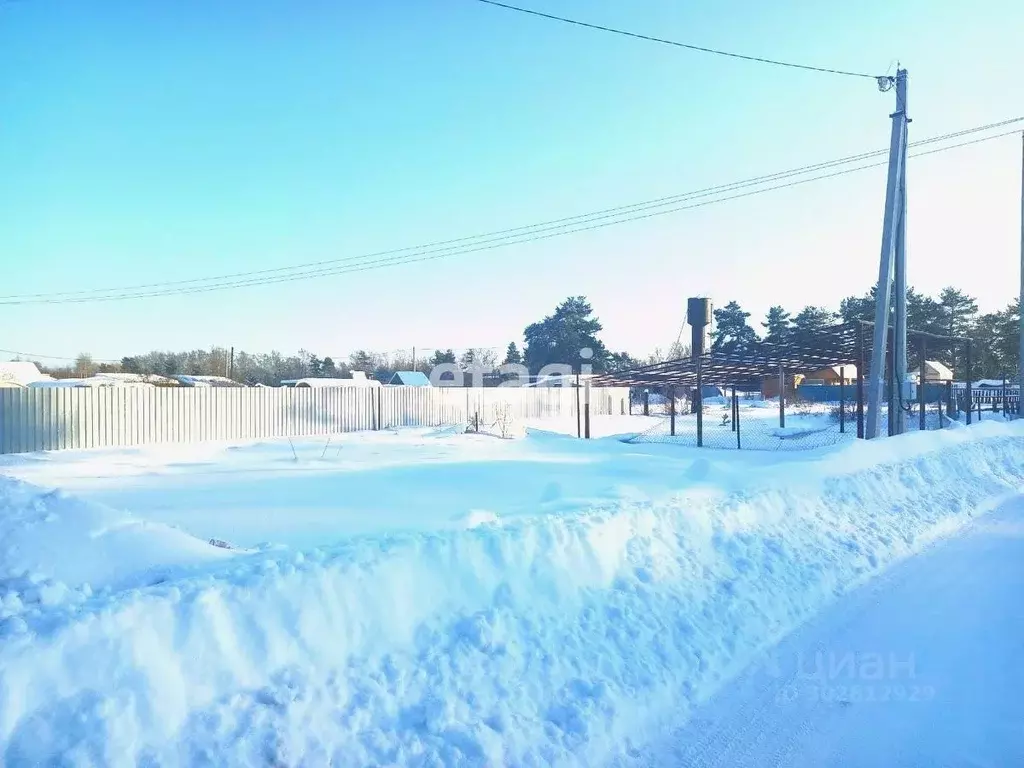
x: 770, y: 385
x: 409, y: 379
x: 136, y: 379
x: 205, y: 381
x: 834, y: 375
x: 20, y: 374
x: 934, y: 372
x: 328, y: 383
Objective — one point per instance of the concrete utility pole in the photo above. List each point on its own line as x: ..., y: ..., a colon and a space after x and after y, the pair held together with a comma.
x: 895, y: 205
x: 899, y: 356
x: 1020, y: 378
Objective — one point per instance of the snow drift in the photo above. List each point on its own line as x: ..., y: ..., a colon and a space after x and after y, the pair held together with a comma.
x: 546, y: 640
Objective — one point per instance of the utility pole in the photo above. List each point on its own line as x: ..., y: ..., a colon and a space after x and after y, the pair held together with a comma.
x: 895, y: 204
x: 1020, y: 378
x: 899, y: 356
x: 231, y: 365
x: 414, y: 358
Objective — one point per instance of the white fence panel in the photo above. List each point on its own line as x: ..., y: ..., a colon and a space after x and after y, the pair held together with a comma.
x: 70, y: 418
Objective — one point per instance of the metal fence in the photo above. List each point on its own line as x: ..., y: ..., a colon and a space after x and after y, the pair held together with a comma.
x: 737, y: 422
x: 64, y: 418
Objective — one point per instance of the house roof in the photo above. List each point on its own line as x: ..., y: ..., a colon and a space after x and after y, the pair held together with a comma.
x: 849, y: 371
x: 933, y: 369
x: 410, y: 379
x: 23, y: 373
x: 327, y: 383
x: 135, y: 378
x: 205, y: 381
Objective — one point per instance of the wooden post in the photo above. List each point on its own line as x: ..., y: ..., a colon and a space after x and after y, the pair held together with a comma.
x: 782, y: 397
x: 672, y: 410
x: 586, y: 410
x: 736, y: 416
x: 1004, y: 397
x: 922, y: 378
x: 949, y: 399
x: 647, y: 402
x: 842, y: 399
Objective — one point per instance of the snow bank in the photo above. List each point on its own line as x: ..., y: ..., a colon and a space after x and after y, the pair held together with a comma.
x: 544, y: 640
x: 56, y: 549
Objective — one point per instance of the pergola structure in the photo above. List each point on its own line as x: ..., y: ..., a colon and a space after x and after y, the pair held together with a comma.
x: 834, y: 346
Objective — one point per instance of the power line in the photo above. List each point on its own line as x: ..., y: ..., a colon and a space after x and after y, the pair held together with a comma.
x: 676, y: 43
x: 519, y: 235
x: 453, y: 244
x: 50, y: 357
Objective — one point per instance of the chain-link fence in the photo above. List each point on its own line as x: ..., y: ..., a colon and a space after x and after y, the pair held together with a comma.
x: 755, y: 423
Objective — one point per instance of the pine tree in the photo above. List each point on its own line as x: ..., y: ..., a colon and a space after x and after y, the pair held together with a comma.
x: 777, y: 324
x: 959, y: 311
x: 813, y: 320
x: 731, y: 334
x: 441, y: 357
x: 854, y: 308
x: 512, y: 355
x: 562, y: 337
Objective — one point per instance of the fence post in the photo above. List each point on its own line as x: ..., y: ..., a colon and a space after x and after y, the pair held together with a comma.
x: 782, y: 397
x: 736, y: 416
x: 922, y: 378
x: 1004, y: 397
x: 380, y: 407
x: 968, y: 398
x: 732, y: 408
x: 699, y: 403
x: 949, y: 399
x: 842, y: 399
x: 860, y: 380
x: 672, y: 410
x: 586, y: 412
x: 647, y: 409
x: 579, y: 433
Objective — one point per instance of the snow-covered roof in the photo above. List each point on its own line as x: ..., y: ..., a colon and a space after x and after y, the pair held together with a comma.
x: 933, y: 371
x: 205, y: 381
x: 23, y: 373
x: 57, y: 384
x: 410, y: 379
x: 134, y: 378
x: 315, y: 383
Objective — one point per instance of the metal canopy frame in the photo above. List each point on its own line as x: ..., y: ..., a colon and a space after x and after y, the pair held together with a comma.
x: 844, y: 344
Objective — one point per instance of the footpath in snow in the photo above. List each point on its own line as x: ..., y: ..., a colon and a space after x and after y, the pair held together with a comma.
x: 577, y: 624
x: 922, y: 667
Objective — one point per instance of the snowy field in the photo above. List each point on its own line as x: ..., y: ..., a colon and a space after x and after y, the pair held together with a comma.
x: 426, y: 597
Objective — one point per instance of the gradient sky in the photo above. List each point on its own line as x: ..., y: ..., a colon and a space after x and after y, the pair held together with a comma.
x: 146, y: 140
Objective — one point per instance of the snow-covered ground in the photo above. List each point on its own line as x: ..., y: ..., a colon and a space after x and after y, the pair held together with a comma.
x: 434, y: 598
x: 921, y: 667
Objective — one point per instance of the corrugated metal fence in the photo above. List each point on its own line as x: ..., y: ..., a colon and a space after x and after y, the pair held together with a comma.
x: 62, y: 418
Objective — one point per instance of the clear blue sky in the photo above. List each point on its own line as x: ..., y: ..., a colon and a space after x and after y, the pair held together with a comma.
x: 148, y: 140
